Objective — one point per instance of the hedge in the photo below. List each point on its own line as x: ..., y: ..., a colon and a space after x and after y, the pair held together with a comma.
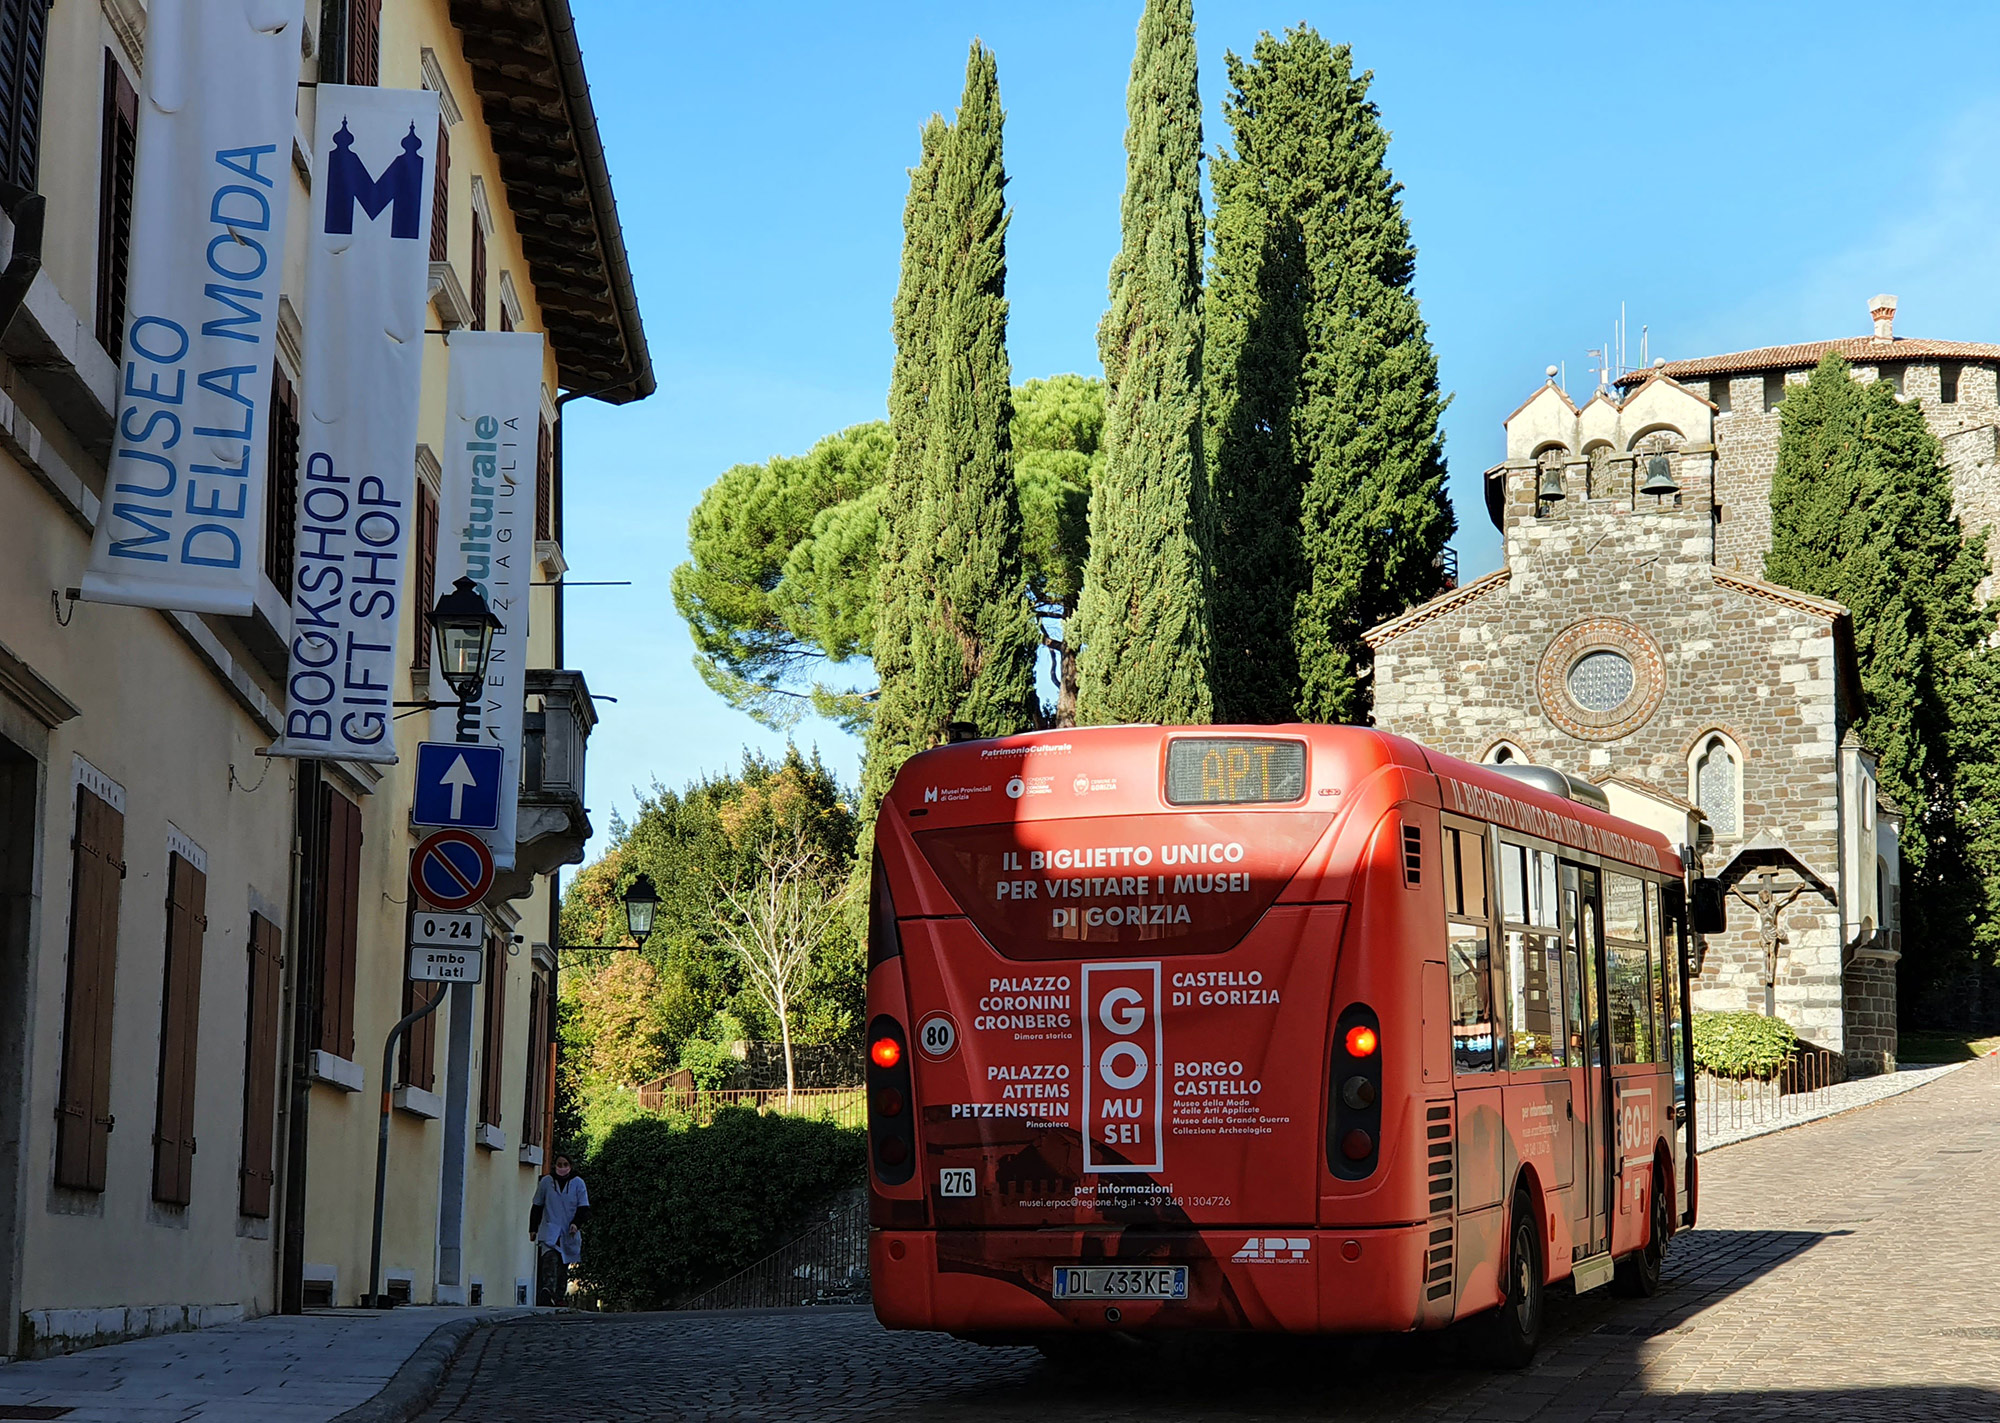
x: 1742, y: 1044
x: 676, y: 1208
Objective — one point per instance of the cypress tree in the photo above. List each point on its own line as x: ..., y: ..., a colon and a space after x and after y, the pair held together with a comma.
x: 893, y: 734
x: 955, y: 637
x: 1143, y: 617
x: 1327, y: 459
x: 1861, y: 512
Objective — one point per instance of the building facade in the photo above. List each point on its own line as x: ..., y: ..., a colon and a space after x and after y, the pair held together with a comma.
x: 1627, y: 641
x: 205, y: 946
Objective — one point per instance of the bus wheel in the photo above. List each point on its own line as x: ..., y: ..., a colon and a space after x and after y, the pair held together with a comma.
x: 1509, y: 1335
x: 1638, y: 1274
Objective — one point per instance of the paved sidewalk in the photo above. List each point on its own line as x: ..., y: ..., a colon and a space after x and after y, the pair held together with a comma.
x: 279, y: 1369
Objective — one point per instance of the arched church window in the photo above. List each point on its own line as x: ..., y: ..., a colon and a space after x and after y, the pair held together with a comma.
x: 1505, y: 753
x: 1717, y: 773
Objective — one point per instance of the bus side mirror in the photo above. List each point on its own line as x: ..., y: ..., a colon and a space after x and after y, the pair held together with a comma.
x: 1708, y: 913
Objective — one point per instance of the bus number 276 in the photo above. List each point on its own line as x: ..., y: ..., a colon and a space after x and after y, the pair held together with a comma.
x: 956, y: 1181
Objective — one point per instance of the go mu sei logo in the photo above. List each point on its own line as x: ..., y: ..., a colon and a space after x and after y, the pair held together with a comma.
x: 1124, y: 1097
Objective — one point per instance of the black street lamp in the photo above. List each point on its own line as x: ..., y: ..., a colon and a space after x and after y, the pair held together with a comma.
x: 641, y: 899
x: 465, y: 628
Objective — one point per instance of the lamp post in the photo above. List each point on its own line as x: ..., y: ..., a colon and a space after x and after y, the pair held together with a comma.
x: 465, y: 628
x: 640, y: 900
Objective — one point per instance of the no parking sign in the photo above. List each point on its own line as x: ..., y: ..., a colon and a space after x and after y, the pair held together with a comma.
x: 452, y: 869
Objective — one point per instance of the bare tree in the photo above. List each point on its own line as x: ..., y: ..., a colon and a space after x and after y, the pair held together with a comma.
x: 777, y: 925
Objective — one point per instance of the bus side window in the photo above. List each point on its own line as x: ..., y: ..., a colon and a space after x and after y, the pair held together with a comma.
x: 1659, y: 970
x: 1627, y: 988
x: 1467, y: 952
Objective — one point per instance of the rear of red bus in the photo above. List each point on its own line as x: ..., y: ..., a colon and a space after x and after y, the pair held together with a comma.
x: 1127, y: 1069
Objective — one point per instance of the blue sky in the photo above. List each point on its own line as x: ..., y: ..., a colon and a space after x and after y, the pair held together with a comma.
x: 1738, y: 176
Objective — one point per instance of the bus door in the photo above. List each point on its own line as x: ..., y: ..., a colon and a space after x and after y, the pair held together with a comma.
x: 1583, y: 944
x: 1674, y: 936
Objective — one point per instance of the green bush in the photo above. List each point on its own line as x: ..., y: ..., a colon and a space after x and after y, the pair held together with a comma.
x: 676, y: 1208
x: 1742, y: 1044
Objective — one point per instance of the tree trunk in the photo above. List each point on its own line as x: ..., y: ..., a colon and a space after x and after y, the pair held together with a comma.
x: 785, y: 1032
x: 1065, y: 684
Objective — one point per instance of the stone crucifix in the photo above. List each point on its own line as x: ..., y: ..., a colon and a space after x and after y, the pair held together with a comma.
x: 1768, y: 902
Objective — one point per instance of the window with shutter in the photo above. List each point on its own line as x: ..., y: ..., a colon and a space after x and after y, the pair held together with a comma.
x: 83, y: 1106
x: 260, y: 1071
x: 23, y: 34
x: 427, y: 555
x: 545, y: 483
x: 493, y: 1043
x: 538, y: 1062
x: 477, y: 293
x: 364, y: 41
x: 416, y: 1065
x: 441, y: 197
x: 340, y: 880
x: 114, y: 202
x: 281, y: 507
x: 180, y: 1022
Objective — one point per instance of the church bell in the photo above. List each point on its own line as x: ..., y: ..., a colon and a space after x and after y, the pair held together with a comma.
x: 1551, y: 487
x: 1659, y: 477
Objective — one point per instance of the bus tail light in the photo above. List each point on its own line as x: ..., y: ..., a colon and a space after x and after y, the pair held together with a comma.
x: 892, y: 1132
x: 1354, y: 1106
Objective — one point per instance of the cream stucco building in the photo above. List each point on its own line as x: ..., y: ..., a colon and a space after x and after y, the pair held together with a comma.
x: 203, y: 947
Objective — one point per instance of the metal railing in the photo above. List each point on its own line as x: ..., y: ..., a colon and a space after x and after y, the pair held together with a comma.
x: 1726, y: 1105
x: 844, y: 1106
x: 826, y: 1265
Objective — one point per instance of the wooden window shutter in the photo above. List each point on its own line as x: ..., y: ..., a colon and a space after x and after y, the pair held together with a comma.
x: 260, y: 1071
x: 427, y: 557
x: 441, y: 196
x: 416, y: 1065
x: 117, y: 151
x: 341, y: 885
x: 493, y: 1043
x: 83, y: 1106
x: 478, y: 291
x: 281, y: 508
x: 364, y: 41
x: 545, y: 483
x: 23, y: 36
x: 180, y: 1022
x: 538, y: 1040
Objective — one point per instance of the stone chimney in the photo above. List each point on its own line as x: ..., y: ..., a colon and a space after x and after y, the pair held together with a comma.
x: 1883, y: 309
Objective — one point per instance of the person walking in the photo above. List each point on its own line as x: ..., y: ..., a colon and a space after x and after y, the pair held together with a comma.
x: 555, y: 1223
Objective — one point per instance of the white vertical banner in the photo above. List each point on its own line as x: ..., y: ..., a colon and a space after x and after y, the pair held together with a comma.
x: 367, y: 273
x: 486, y: 532
x: 182, y: 523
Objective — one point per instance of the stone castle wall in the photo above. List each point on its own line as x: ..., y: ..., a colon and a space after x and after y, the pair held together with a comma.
x: 1760, y: 670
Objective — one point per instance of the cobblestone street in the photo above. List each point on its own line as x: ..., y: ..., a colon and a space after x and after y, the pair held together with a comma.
x: 1842, y: 1271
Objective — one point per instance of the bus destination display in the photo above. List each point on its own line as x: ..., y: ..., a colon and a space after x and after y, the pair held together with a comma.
x: 1219, y: 770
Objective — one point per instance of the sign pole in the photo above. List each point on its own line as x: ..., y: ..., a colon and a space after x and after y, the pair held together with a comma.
x: 377, y: 1296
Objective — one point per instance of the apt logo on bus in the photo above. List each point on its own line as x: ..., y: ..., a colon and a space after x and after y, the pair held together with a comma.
x: 1124, y: 1091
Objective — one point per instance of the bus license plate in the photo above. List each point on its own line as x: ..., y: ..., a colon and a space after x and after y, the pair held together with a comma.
x: 1121, y: 1282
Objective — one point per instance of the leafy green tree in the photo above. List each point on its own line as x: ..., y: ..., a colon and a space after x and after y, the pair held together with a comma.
x: 1861, y: 512
x: 972, y: 633
x: 1143, y: 618
x: 913, y: 323
x: 1326, y: 456
x: 779, y: 578
x: 723, y: 830
x: 1058, y: 433
x: 784, y: 557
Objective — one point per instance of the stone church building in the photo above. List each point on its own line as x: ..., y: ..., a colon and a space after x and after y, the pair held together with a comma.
x: 1630, y: 639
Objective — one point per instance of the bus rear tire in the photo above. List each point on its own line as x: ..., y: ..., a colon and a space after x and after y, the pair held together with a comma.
x: 1638, y: 1274
x: 1508, y: 1336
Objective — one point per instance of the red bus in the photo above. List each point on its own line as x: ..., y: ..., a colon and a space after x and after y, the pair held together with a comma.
x: 1300, y: 1028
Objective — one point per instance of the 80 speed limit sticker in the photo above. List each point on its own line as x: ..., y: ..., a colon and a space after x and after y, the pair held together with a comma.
x: 937, y: 1035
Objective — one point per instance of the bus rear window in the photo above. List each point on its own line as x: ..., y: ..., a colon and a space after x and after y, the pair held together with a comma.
x: 1219, y: 770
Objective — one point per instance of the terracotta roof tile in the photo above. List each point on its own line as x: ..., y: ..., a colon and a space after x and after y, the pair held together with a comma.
x: 1866, y: 350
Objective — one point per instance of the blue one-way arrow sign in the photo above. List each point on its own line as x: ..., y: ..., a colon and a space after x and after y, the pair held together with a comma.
x: 458, y: 784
